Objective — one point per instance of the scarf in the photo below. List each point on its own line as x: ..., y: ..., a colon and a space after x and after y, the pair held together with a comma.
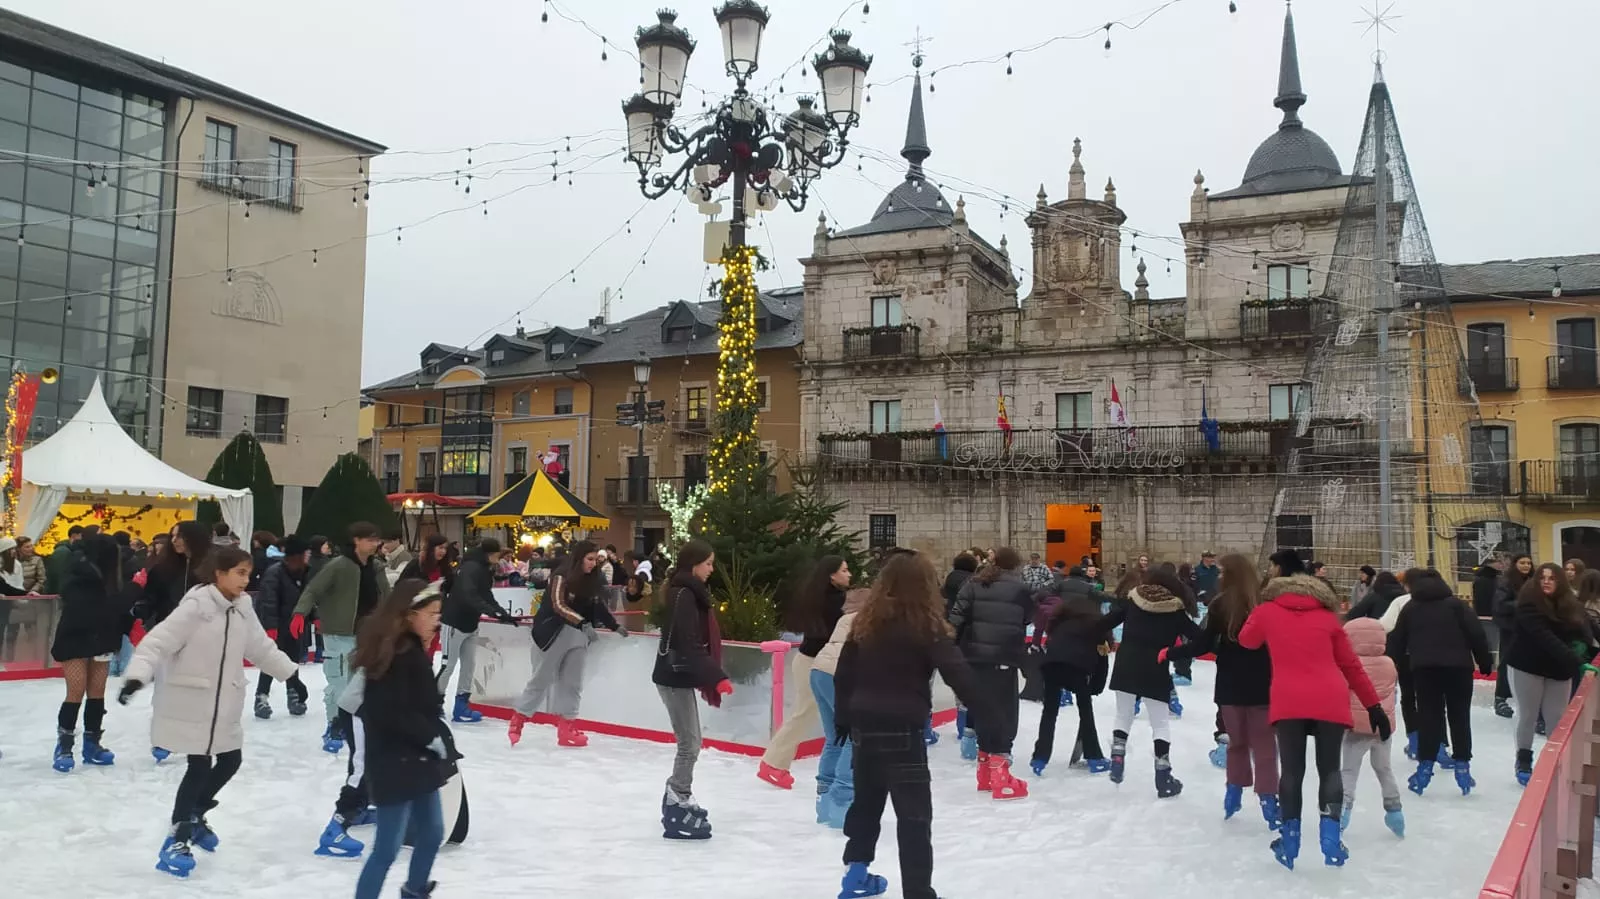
x: 709, y: 628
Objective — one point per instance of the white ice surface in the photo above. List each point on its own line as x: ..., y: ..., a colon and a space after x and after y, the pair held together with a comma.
x: 562, y: 822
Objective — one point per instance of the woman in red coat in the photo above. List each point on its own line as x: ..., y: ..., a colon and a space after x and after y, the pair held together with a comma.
x: 1314, y: 668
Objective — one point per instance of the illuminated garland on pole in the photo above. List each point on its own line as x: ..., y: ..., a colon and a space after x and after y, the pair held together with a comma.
x: 734, y: 461
x: 21, y: 399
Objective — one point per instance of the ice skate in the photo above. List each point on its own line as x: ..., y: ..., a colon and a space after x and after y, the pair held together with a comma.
x: 567, y: 734
x: 1179, y: 680
x: 1232, y: 801
x: 824, y: 808
x: 682, y: 818
x: 62, y: 761
x: 1524, y: 767
x: 1003, y: 784
x: 364, y: 818
x: 1344, y: 819
x: 858, y: 882
x: 1270, y: 811
x: 175, y: 858
x: 263, y: 706
x: 778, y: 777
x: 94, y: 753
x: 969, y: 744
x: 1286, y: 848
x: 1446, y: 763
x: 159, y: 754
x: 200, y: 832
x: 1395, y: 820
x: 1420, y: 780
x: 1167, y: 786
x: 423, y: 892
x: 1411, y: 746
x: 336, y: 841
x: 985, y: 783
x: 1174, y: 706
x: 1219, y: 753
x: 929, y: 735
x: 332, y: 740
x: 297, y: 706
x: 1502, y: 707
x: 1464, y: 777
x: 1066, y: 699
x: 463, y: 713
x: 1098, y: 766
x: 1038, y: 766
x: 514, y: 729
x: 1119, y: 758
x: 1334, y: 853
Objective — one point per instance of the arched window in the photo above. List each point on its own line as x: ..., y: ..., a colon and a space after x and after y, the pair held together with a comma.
x: 1479, y: 541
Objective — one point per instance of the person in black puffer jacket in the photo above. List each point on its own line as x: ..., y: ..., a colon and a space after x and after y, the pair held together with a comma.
x: 1484, y: 582
x: 94, y: 616
x: 410, y: 753
x: 563, y: 630
x: 470, y: 598
x: 991, y: 617
x: 961, y: 571
x: 1385, y: 589
x: 1153, y: 618
x: 277, y: 592
x: 1074, y: 660
x: 1438, y: 638
x: 174, y: 573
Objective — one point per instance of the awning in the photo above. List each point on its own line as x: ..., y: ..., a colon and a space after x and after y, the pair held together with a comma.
x: 431, y: 499
x: 538, y: 497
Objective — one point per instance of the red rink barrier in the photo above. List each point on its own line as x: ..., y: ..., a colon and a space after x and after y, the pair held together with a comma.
x: 1550, y: 843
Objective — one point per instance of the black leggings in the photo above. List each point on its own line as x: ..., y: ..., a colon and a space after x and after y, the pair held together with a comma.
x: 1443, y: 694
x: 997, y: 729
x: 1329, y: 737
x: 293, y: 685
x: 1405, y: 685
x: 1056, y: 679
x: 197, y: 792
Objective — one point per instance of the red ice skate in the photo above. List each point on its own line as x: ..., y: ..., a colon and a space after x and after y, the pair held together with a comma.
x: 984, y: 773
x: 515, y: 730
x: 567, y: 734
x: 778, y: 777
x: 1003, y: 784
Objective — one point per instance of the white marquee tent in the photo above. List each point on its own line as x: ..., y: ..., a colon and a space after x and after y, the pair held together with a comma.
x: 92, y: 455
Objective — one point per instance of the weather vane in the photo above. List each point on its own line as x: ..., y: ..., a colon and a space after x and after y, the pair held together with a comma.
x: 916, y: 45
x: 1377, y: 22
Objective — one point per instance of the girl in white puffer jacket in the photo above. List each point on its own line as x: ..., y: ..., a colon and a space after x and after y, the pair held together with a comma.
x: 196, y: 657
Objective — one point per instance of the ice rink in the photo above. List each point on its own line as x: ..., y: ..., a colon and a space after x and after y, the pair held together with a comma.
x: 584, y: 822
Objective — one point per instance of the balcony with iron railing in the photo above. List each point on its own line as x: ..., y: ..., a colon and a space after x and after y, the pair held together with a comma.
x: 633, y: 493
x: 1573, y: 370
x: 426, y: 483
x: 888, y: 342
x: 464, y: 485
x: 390, y: 483
x: 1278, y: 319
x: 1561, y: 480
x: 1493, y: 374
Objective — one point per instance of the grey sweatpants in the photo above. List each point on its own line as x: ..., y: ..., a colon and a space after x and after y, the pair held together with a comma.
x: 1534, y: 696
x: 558, y: 674
x: 1357, y: 748
x: 460, y: 648
x: 683, y: 710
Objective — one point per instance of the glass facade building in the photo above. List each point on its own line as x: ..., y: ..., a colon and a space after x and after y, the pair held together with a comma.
x: 83, y: 239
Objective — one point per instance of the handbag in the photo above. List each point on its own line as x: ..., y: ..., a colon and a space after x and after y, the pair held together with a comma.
x: 675, y: 660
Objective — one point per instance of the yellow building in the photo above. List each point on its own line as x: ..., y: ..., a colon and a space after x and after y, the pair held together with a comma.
x: 1528, y: 330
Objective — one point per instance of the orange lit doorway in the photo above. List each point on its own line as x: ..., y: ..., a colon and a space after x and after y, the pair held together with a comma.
x: 1072, y: 531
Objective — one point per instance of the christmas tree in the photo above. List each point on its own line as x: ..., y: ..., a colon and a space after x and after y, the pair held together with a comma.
x: 349, y: 492
x: 243, y: 464
x: 734, y: 464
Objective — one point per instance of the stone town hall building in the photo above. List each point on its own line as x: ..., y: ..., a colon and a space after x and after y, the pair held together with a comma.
x: 915, y: 312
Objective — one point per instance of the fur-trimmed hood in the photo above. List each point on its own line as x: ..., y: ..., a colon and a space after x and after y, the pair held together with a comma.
x: 1155, y: 599
x: 1303, y: 585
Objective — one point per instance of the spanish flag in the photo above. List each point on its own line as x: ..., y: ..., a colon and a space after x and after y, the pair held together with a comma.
x: 1004, y: 423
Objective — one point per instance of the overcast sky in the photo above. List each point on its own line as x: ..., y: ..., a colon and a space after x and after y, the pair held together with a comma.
x: 1500, y: 133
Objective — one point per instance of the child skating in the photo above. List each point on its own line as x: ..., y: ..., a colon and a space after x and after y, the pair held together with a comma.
x: 1368, y: 639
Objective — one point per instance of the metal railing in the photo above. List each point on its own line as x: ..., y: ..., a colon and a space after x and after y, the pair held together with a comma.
x: 1577, y: 370
x: 1550, y: 842
x: 1493, y: 374
x: 631, y: 493
x: 463, y: 485
x: 1563, y: 479
x: 426, y: 484
x: 391, y: 484
x: 874, y: 343
x: 1281, y: 319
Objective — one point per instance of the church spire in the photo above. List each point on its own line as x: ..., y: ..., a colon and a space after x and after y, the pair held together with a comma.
x: 916, y: 150
x: 1290, y: 97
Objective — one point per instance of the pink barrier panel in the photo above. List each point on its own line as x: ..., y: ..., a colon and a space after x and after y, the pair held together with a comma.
x: 1550, y: 843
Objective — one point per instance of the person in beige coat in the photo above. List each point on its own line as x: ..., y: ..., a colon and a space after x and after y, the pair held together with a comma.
x: 196, y: 657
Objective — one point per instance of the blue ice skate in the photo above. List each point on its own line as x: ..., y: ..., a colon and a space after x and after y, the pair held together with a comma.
x: 1138, y: 702
x: 682, y: 818
x: 1420, y: 780
x: 858, y: 882
x: 1232, y: 801
x: 1066, y: 699
x: 332, y: 739
x: 336, y: 841
x: 1119, y: 758
x: 62, y: 760
x: 1446, y: 763
x: 1286, y: 848
x: 423, y: 892
x: 1179, y: 680
x: 175, y: 858
x: 1334, y: 853
x: 1395, y: 820
x: 1270, y: 811
x: 1411, y: 746
x: 969, y: 745
x: 1524, y: 767
x: 1174, y: 706
x: 366, y: 817
x: 204, y: 837
x: 929, y: 735
x: 1167, y: 786
x: 1344, y: 819
x: 159, y: 754
x: 1098, y: 766
x: 464, y: 713
x: 1038, y: 767
x: 1219, y: 754
x: 961, y: 720
x: 94, y: 753
x: 1464, y: 777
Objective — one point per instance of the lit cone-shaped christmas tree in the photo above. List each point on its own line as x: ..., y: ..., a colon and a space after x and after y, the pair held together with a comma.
x: 734, y: 462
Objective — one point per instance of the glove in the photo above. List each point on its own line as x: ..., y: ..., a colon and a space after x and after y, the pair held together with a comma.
x: 1036, y: 648
x: 621, y: 631
x: 437, y: 747
x: 140, y: 576
x: 273, y: 635
x: 297, y: 626
x: 1162, y: 655
x: 1590, y: 669
x: 505, y: 617
x: 588, y: 632
x: 1380, y: 722
x: 129, y: 687
x: 725, y: 687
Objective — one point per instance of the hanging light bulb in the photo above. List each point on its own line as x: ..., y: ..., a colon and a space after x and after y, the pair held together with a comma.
x: 603, y: 56
x: 1232, y: 8
x: 1530, y: 311
x: 1556, y: 290
x: 1108, y: 39
x: 313, y: 257
x: 485, y: 207
x: 544, y: 14
x: 398, y: 233
x: 1008, y: 62
x: 230, y: 276
x: 1255, y: 260
x: 21, y: 231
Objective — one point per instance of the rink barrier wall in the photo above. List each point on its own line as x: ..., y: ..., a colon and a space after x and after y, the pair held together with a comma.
x: 1550, y: 842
